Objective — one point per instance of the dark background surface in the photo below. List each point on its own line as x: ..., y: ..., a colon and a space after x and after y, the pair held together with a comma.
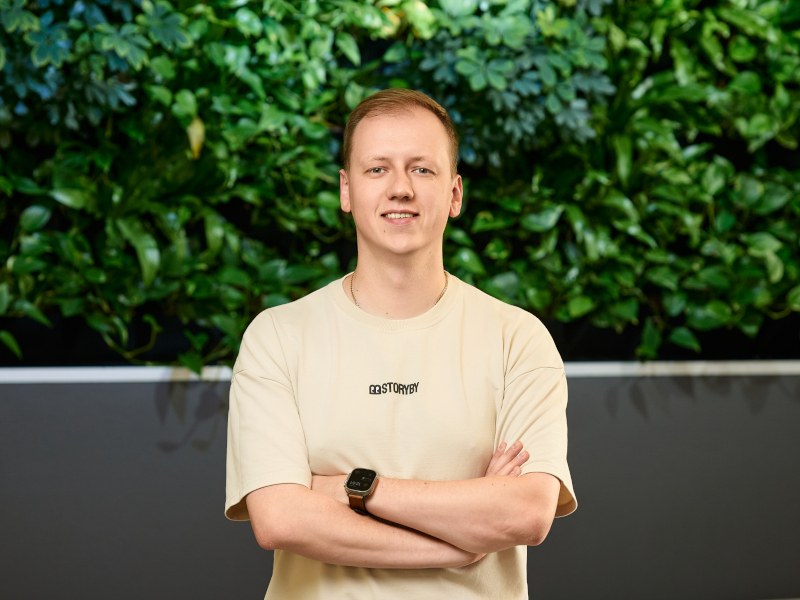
x: 71, y: 342
x: 688, y: 488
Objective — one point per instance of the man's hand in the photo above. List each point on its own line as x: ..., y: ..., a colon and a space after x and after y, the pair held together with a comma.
x: 507, y: 461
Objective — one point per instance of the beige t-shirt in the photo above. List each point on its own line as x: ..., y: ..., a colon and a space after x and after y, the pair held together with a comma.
x: 320, y: 386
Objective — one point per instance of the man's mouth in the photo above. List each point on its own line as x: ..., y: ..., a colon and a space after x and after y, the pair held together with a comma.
x: 399, y: 215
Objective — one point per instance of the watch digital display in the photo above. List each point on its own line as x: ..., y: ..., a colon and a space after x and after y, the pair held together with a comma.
x: 361, y: 479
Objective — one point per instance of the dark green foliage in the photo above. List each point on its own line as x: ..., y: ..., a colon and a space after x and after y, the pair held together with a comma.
x: 627, y: 164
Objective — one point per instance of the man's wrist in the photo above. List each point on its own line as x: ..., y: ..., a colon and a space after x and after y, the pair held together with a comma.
x: 359, y: 486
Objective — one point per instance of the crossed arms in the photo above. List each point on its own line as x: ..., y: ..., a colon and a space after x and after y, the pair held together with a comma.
x: 418, y: 524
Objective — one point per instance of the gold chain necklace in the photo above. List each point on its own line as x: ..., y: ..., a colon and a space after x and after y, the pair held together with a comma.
x: 355, y: 300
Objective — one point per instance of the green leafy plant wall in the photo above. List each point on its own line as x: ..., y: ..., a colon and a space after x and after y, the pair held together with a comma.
x: 173, y: 166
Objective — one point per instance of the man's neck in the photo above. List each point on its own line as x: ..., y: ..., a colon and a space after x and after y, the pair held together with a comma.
x: 396, y: 290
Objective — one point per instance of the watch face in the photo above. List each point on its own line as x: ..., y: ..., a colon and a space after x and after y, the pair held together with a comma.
x: 361, y: 480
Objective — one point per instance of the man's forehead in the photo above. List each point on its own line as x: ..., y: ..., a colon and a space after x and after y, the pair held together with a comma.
x: 378, y: 130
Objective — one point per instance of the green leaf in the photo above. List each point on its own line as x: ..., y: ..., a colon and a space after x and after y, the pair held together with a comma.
x: 774, y: 198
x: 34, y: 217
x: 506, y: 285
x: 488, y: 221
x: 741, y: 50
x: 5, y: 298
x: 145, y: 245
x: 51, y: 46
x: 459, y: 8
x: 623, y: 149
x: 215, y: 231
x: 651, y: 340
x: 467, y: 67
x: 620, y: 202
x: 714, y: 179
x: 747, y: 83
x: 477, y: 81
x: 164, y: 26
x: 626, y: 310
x: 10, y: 343
x: 709, y: 316
x: 248, y: 22
x: 683, y: 337
x: 762, y: 243
x: 163, y: 67
x: 73, y: 198
x: 496, y: 80
x: 553, y: 104
x: 579, y: 306
x: 675, y: 303
x: 346, y: 43
x: 127, y: 42
x: 15, y: 17
x: 548, y: 74
x: 775, y: 267
x: 467, y: 259
x: 792, y: 299
x: 711, y: 277
x: 29, y: 309
x: 295, y: 274
x: 664, y: 276
x: 185, y: 106
x: 543, y: 220
x: 420, y: 17
x: 160, y: 94
x: 395, y: 53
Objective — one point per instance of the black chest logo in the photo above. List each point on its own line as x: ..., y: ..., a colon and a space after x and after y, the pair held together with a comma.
x: 394, y: 388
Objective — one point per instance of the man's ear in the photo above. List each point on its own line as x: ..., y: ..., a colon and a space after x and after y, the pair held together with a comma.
x: 457, y: 197
x: 344, y: 191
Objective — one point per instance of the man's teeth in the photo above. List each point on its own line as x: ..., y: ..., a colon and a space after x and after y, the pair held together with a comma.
x: 396, y: 215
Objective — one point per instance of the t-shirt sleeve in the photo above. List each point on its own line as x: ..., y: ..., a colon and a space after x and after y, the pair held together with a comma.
x: 534, y: 406
x: 266, y: 444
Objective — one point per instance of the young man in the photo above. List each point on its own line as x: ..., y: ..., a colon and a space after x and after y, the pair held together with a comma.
x: 368, y: 421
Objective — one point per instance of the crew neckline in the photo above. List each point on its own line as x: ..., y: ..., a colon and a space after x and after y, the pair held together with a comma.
x: 430, y: 317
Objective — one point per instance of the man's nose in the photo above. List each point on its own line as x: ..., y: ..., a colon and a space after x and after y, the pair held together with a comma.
x: 401, y: 187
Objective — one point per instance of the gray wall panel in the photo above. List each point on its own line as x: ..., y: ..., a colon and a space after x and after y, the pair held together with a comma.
x: 688, y: 488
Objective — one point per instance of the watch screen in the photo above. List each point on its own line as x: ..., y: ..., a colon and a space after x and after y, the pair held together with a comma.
x: 361, y: 479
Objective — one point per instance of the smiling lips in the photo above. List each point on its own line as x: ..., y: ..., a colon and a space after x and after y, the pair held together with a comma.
x: 399, y: 215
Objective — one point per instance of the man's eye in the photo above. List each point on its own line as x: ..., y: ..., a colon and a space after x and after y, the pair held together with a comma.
x: 423, y: 171
x: 375, y: 170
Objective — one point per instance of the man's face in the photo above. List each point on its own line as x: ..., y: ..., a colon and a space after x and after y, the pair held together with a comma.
x: 399, y: 186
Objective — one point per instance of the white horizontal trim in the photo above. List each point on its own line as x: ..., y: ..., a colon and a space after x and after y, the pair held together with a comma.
x: 132, y: 374
x: 689, y: 368
x: 125, y: 374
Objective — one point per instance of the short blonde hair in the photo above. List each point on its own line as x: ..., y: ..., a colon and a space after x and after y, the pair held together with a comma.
x: 392, y: 101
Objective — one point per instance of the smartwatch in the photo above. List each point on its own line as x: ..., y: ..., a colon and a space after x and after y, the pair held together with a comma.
x: 359, y: 486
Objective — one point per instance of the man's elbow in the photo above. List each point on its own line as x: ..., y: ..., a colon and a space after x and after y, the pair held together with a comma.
x: 270, y: 535
x: 271, y: 516
x: 536, y: 528
x: 523, y: 529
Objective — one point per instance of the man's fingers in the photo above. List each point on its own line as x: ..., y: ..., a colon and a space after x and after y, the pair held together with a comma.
x: 506, y: 460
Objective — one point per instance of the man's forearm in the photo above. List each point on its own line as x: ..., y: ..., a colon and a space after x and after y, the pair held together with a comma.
x: 485, y: 514
x: 293, y: 518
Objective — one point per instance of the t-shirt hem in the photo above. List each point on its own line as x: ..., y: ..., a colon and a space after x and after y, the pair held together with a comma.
x: 567, y: 502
